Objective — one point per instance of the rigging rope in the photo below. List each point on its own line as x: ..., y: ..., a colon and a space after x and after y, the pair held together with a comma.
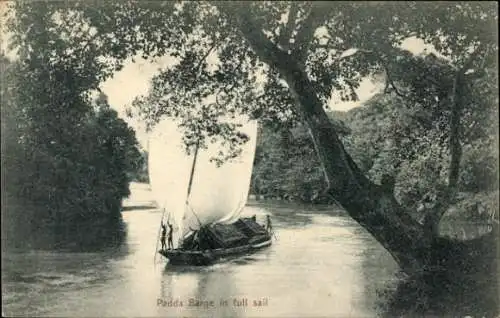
x: 159, y: 231
x: 194, y: 213
x: 237, y: 211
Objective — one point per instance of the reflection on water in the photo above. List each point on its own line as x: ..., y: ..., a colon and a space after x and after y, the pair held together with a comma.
x: 315, y: 267
x: 198, y: 292
x: 321, y: 264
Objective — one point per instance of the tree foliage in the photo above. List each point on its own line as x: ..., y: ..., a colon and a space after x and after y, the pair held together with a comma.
x: 388, y: 135
x: 287, y: 167
x: 66, y: 160
x: 240, y: 81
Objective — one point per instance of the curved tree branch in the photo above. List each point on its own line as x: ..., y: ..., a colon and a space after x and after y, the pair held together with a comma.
x: 389, y: 82
x: 198, y: 66
x: 433, y: 217
x: 456, y: 100
x: 319, y: 12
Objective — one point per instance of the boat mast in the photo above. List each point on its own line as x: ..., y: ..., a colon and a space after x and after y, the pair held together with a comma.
x: 191, y: 179
x: 192, y: 170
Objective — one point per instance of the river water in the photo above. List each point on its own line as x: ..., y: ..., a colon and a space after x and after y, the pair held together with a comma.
x: 321, y: 264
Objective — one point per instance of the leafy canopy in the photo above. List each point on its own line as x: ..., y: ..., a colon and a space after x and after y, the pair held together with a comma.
x: 216, y: 65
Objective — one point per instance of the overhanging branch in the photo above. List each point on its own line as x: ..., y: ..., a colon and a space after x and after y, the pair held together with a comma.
x: 319, y: 11
x: 286, y: 34
x: 264, y: 48
x: 456, y: 101
x: 433, y: 217
x: 390, y: 82
x: 200, y: 62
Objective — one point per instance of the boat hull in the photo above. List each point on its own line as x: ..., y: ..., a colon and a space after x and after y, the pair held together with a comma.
x: 208, y: 257
x: 243, y: 237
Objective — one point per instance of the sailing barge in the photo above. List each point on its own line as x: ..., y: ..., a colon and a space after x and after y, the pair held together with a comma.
x: 219, y: 241
x: 204, y: 200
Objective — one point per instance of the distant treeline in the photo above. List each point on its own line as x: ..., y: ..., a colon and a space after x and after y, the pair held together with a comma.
x: 286, y: 166
x: 141, y: 174
x: 67, y: 160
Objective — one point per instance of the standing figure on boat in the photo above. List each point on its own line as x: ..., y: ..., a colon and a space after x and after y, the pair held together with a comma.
x: 269, y: 226
x: 163, y: 235
x: 170, y: 234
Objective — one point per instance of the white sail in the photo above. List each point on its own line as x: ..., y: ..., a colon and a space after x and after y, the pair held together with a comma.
x: 219, y: 193
x: 169, y: 167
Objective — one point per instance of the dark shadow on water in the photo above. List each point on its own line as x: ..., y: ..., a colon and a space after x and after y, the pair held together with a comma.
x: 29, y: 276
x: 86, y: 237
x: 415, y: 297
x: 466, y: 286
x: 430, y: 294
x: 25, y: 270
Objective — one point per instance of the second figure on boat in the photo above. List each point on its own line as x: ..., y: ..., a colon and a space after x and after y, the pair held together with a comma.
x: 165, y: 237
x: 170, y: 235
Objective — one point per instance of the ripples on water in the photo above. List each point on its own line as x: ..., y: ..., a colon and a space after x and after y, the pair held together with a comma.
x: 321, y: 264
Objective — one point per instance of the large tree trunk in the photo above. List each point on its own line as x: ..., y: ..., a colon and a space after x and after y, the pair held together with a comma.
x: 372, y: 207
x: 416, y: 250
x: 447, y: 267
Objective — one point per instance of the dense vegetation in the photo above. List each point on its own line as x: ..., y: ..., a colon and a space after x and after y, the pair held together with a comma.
x: 286, y: 166
x: 394, y: 135
x: 140, y: 173
x: 67, y: 161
